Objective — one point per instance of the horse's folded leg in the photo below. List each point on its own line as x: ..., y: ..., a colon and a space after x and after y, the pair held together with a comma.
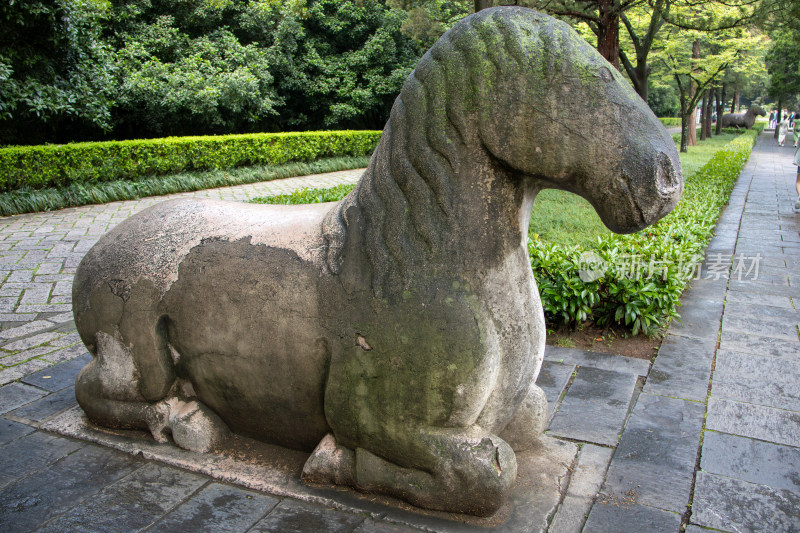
x: 194, y: 426
x: 330, y: 463
x: 467, y: 474
x: 529, y: 421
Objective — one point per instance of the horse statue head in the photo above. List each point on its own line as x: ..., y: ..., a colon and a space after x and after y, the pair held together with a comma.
x: 397, y: 335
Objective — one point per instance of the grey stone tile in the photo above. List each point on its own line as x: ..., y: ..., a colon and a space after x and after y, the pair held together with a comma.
x: 27, y: 329
x: 17, y: 317
x: 751, y: 460
x: 11, y: 430
x: 610, y: 516
x: 66, y: 354
x: 765, y: 327
x: 699, y: 318
x: 657, y: 453
x: 31, y: 453
x: 76, y: 478
x: 595, y: 406
x: 7, y: 359
x: 7, y: 375
x: 52, y: 404
x: 682, y: 368
x: 751, y: 378
x: 16, y: 395
x: 292, y: 516
x: 60, y: 318
x: 705, y: 289
x: 584, y: 485
x: 217, y: 508
x: 552, y: 379
x: 755, y: 421
x: 66, y: 340
x: 744, y: 309
x: 756, y: 344
x: 58, y: 376
x: 734, y: 505
x: 603, y: 361
x: 137, y: 501
x: 30, y: 342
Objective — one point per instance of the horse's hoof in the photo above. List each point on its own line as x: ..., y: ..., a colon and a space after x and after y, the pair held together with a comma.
x: 330, y: 464
x: 195, y: 427
x: 529, y: 422
x: 157, y: 418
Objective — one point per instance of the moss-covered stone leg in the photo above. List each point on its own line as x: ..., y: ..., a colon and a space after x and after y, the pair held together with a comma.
x: 529, y: 421
x: 469, y: 473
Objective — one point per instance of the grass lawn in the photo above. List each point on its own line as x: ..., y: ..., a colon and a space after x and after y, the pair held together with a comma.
x: 568, y: 219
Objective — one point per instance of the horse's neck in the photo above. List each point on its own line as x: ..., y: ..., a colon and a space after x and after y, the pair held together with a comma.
x: 469, y: 207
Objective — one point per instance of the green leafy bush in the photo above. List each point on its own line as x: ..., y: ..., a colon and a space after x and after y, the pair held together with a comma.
x: 670, y: 121
x: 638, y: 279
x: 38, y: 167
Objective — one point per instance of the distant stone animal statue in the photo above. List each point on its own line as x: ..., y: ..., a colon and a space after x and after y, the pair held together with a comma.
x: 397, y: 334
x: 743, y: 120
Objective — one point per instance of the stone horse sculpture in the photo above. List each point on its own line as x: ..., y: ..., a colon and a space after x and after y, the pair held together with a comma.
x: 397, y: 333
x: 743, y: 120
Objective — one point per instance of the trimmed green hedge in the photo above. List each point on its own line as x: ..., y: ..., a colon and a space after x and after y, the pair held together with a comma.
x: 38, y: 167
x: 77, y: 194
x: 670, y: 121
x: 639, y: 278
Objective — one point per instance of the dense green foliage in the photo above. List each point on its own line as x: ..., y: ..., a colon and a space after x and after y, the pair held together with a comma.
x: 91, y: 69
x: 643, y: 274
x: 37, y: 167
x: 55, y: 70
x: 77, y: 194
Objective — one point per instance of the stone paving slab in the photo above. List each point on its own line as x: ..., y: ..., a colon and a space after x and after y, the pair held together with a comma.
x: 730, y: 504
x: 751, y: 460
x: 595, y: 407
x: 682, y: 368
x: 656, y: 457
x: 756, y: 379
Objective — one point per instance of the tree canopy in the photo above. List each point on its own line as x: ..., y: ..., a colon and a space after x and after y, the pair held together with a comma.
x: 93, y: 69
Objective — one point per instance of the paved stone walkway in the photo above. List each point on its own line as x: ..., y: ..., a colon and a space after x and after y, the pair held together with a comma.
x: 708, y: 436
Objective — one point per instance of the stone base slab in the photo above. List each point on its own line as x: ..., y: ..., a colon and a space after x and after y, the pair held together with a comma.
x: 542, y: 477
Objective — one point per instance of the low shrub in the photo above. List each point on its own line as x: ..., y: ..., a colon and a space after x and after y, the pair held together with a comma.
x: 670, y: 121
x: 39, y: 167
x: 77, y: 194
x: 636, y: 280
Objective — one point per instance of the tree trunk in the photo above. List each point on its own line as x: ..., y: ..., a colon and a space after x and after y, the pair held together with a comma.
x: 703, y: 113
x: 720, y: 108
x: 482, y: 4
x: 684, y: 125
x: 693, y: 117
x: 608, y: 31
x: 735, y: 103
x: 709, y: 112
